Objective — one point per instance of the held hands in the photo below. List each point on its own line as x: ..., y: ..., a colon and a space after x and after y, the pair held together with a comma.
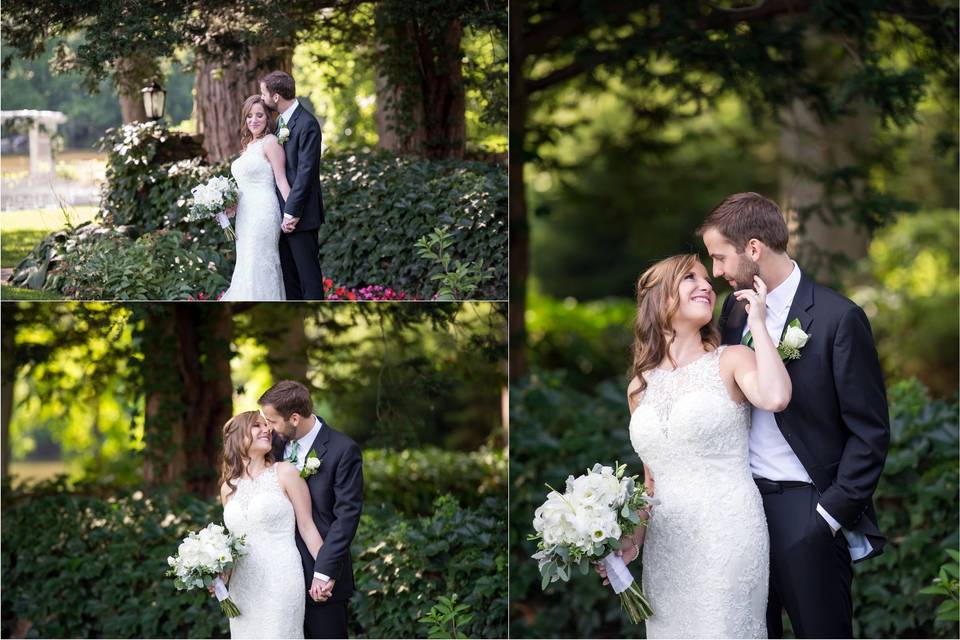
x: 756, y: 303
x: 321, y: 590
x: 289, y: 224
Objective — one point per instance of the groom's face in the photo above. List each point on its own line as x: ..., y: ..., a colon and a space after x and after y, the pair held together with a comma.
x: 733, y: 266
x: 268, y: 99
x: 287, y: 427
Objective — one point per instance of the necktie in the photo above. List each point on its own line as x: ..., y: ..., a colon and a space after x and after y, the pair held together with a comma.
x: 280, y: 122
x: 747, y: 339
x: 294, y: 449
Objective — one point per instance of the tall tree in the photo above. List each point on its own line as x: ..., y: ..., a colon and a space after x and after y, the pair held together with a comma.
x: 670, y: 60
x: 188, y: 392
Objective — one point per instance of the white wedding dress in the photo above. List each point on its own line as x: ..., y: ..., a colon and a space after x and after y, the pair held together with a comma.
x: 267, y: 584
x: 706, y: 553
x: 257, y: 274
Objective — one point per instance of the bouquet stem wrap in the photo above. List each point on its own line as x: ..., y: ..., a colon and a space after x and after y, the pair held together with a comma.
x: 623, y: 584
x: 226, y: 604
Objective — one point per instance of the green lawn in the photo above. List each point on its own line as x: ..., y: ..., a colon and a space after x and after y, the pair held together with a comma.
x: 15, y: 293
x: 15, y: 245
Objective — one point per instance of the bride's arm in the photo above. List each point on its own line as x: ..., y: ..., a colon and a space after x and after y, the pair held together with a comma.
x: 760, y: 373
x: 278, y: 161
x: 299, y: 494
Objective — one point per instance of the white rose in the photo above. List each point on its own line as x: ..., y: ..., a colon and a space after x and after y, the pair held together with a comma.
x: 795, y: 337
x: 312, y: 464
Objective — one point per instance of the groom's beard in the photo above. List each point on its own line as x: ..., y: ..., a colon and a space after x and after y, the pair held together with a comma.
x: 746, y: 270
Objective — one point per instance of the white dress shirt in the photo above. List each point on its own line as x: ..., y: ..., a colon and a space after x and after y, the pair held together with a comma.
x: 305, y: 443
x: 771, y: 457
x: 286, y: 115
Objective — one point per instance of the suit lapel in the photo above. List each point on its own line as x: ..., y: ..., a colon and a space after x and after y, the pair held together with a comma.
x: 736, y: 321
x: 322, y: 439
x: 800, y: 308
x: 294, y: 118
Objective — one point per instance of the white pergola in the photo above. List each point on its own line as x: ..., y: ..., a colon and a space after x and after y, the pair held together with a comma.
x: 43, y: 126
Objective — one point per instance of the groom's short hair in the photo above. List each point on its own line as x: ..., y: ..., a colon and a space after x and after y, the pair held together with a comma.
x: 743, y: 216
x: 280, y: 83
x: 288, y: 397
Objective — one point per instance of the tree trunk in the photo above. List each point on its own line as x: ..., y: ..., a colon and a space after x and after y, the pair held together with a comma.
x: 427, y: 115
x: 189, y: 393
x: 220, y: 89
x: 132, y: 75
x: 519, y: 226
x: 285, y: 340
x: 8, y: 377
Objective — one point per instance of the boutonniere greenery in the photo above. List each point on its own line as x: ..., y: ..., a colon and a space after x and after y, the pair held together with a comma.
x: 794, y: 339
x: 311, y: 465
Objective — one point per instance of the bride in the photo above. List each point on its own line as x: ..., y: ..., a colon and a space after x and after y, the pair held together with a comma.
x: 262, y: 500
x: 259, y: 171
x: 706, y: 557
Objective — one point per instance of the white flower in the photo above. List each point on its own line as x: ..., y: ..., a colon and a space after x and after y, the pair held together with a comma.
x: 795, y: 337
x: 312, y: 464
x: 283, y: 134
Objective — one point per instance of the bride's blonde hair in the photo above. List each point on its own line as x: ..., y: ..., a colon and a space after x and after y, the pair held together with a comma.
x: 658, y: 300
x: 246, y: 136
x: 237, y: 439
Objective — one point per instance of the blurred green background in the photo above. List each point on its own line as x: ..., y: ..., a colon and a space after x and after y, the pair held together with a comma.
x: 634, y: 122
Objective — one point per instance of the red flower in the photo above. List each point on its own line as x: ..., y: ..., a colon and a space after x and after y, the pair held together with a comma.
x: 351, y: 295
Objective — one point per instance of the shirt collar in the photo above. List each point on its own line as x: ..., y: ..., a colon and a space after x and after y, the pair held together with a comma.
x: 782, y: 296
x: 286, y: 115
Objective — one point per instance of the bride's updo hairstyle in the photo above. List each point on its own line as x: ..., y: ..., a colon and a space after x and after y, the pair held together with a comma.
x: 246, y: 137
x: 237, y: 438
x: 658, y: 300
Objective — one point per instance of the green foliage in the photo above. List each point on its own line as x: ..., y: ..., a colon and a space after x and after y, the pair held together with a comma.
x: 142, y: 189
x: 590, y: 341
x: 404, y: 566
x: 558, y: 430
x: 910, y: 292
x: 947, y: 584
x: 378, y: 206
x: 445, y: 617
x: 457, y: 280
x: 409, y: 481
x: 90, y: 564
x: 17, y: 244
x: 918, y: 512
x: 164, y: 265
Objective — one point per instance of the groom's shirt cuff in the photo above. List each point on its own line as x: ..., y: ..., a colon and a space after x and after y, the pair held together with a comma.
x: 826, y: 516
x: 320, y: 576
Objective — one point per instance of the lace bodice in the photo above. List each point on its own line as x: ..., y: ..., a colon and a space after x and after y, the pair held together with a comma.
x: 705, y: 558
x: 252, y: 168
x: 267, y: 583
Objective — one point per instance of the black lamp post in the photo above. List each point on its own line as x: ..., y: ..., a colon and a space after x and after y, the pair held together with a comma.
x: 154, y: 99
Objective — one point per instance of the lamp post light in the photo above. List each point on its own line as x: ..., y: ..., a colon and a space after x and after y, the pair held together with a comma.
x: 154, y: 99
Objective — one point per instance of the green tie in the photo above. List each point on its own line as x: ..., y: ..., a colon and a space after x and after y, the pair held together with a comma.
x: 747, y: 339
x: 280, y: 122
x: 293, y: 452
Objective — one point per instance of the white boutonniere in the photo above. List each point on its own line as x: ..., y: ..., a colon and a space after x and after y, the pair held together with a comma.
x: 794, y: 339
x: 311, y: 465
x: 283, y: 133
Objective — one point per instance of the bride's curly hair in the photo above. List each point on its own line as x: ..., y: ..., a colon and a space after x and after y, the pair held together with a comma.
x: 246, y: 137
x: 657, y: 304
x: 236, y: 441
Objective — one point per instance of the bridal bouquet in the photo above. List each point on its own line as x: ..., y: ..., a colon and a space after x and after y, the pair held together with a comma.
x: 202, y: 557
x: 585, y: 523
x: 212, y: 198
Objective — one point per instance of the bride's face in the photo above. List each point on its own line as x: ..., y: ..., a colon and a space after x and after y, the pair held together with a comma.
x: 257, y: 120
x: 261, y: 436
x: 696, y: 297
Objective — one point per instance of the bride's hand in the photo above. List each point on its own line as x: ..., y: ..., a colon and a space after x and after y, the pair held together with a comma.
x: 756, y: 303
x: 629, y: 551
x: 230, y: 211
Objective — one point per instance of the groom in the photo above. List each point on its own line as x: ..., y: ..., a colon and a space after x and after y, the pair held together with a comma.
x: 299, y: 133
x: 817, y: 462
x: 336, y: 494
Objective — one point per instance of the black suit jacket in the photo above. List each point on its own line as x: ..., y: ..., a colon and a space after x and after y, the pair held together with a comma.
x: 302, y: 151
x: 336, y: 491
x: 837, y: 421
